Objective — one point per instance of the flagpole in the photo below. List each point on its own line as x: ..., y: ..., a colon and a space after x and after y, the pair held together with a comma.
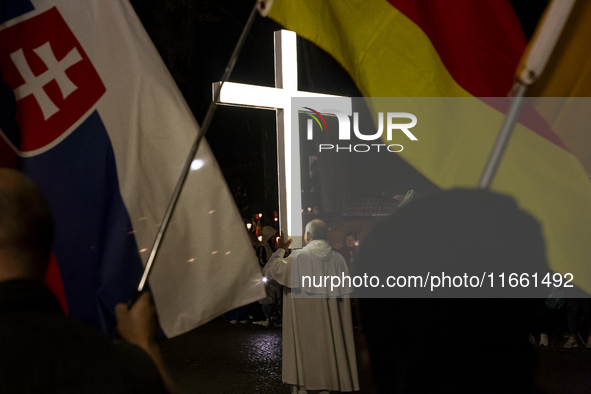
x: 504, y: 136
x: 185, y: 171
x: 529, y: 69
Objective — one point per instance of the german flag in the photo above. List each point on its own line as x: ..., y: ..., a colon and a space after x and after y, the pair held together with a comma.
x: 434, y: 48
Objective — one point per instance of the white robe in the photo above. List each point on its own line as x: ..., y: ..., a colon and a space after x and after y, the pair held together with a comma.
x: 318, y: 343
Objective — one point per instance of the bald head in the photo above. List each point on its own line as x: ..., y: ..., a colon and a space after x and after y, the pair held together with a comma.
x: 316, y: 230
x: 26, y: 228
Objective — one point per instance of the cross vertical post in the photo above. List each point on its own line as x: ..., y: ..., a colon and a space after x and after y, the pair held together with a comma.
x: 279, y: 99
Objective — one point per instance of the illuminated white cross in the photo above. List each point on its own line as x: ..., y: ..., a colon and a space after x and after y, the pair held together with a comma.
x: 279, y: 99
x: 56, y: 70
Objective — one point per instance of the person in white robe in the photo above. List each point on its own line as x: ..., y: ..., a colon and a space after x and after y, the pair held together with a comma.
x: 318, y: 343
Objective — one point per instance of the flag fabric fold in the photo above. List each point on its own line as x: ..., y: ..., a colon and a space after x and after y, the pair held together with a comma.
x: 104, y: 131
x: 568, y: 75
x: 405, y: 48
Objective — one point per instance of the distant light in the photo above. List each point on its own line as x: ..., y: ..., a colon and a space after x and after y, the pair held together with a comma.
x: 197, y: 164
x: 276, y: 219
x: 265, y: 279
x: 190, y: 260
x: 212, y: 211
x: 214, y: 252
x: 248, y: 225
x: 260, y: 215
x: 260, y: 237
x: 143, y: 250
x: 309, y: 209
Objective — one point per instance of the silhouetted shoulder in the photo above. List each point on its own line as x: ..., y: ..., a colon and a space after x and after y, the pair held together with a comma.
x: 44, y: 351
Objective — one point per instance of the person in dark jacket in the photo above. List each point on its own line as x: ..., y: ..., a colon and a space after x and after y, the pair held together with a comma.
x: 43, y: 350
x: 271, y: 304
x: 452, y: 340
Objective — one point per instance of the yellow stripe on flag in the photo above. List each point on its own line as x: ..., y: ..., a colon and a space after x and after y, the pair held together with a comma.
x: 390, y: 56
x: 385, y: 52
x: 568, y: 74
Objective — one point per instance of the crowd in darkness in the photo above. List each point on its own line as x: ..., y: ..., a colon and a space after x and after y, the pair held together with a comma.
x: 448, y: 229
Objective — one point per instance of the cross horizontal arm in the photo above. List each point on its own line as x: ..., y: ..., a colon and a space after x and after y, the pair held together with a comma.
x: 245, y: 95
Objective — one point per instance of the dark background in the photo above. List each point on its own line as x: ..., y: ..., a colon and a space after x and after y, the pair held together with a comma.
x: 196, y: 39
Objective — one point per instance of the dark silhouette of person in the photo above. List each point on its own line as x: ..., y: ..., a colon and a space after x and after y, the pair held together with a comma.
x: 449, y: 342
x: 41, y: 349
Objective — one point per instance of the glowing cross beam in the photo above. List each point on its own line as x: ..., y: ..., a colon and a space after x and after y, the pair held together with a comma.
x: 279, y: 99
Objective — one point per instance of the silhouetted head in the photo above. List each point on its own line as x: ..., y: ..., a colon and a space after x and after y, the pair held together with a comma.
x: 26, y: 228
x: 440, y: 344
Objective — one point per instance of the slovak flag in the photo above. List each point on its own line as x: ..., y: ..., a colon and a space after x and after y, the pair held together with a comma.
x: 90, y: 113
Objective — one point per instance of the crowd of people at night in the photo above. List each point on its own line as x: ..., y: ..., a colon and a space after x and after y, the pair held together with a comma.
x: 478, y: 226
x: 446, y: 229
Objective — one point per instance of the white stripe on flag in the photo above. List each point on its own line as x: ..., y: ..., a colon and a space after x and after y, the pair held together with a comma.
x: 206, y: 265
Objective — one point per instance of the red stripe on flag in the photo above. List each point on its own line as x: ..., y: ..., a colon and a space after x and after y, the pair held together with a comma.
x: 530, y: 118
x: 480, y: 42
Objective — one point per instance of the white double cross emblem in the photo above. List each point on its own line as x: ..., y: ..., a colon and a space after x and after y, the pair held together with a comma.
x: 56, y: 70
